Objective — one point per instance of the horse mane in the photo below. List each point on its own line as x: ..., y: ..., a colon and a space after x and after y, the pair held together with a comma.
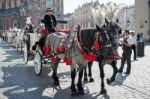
x: 87, y: 37
x: 98, y: 15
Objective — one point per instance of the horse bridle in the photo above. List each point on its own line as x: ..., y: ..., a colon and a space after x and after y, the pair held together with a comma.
x: 97, y: 38
x: 109, y: 34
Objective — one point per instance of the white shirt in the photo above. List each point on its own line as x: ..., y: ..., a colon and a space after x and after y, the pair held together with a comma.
x: 133, y: 40
x: 129, y: 40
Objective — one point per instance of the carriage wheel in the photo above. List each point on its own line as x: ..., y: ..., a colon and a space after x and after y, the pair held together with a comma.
x: 21, y: 47
x: 17, y: 46
x: 37, y: 63
x: 25, y: 53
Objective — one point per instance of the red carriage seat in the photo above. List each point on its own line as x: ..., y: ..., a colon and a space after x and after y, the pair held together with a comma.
x: 46, y: 51
x: 64, y: 31
x: 44, y: 32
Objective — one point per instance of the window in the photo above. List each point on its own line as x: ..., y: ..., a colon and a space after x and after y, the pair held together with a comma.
x: 12, y: 4
x: 86, y: 24
x: 28, y: 1
x: 91, y: 17
x: 92, y: 24
x: 7, y: 4
x: 1, y: 1
x: 15, y: 2
x: 59, y: 2
x: 48, y: 3
x: 1, y: 24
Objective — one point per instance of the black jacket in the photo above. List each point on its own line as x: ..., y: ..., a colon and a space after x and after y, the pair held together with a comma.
x: 50, y: 22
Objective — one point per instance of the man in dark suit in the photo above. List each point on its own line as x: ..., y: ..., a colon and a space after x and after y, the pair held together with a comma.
x: 127, y: 50
x: 50, y: 21
x: 50, y: 24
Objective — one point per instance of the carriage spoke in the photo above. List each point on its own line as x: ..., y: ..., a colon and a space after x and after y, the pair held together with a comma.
x: 38, y: 63
x: 25, y: 53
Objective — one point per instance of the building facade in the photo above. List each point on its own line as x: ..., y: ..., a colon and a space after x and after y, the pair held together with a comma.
x: 126, y: 18
x: 83, y: 15
x: 70, y: 21
x: 14, y: 12
x: 58, y: 6
x: 142, y: 18
x: 36, y: 10
x: 9, y: 13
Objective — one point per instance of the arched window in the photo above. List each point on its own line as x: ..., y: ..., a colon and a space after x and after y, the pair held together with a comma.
x: 12, y: 3
x: 15, y: 2
x: 7, y: 4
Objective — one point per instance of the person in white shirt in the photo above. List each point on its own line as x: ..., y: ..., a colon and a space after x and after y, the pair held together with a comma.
x: 133, y: 45
x: 127, y: 50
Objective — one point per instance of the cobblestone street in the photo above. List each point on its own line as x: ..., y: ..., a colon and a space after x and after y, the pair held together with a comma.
x: 18, y: 81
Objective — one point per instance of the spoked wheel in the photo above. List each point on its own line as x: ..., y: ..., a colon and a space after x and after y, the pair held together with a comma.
x: 38, y: 63
x: 17, y: 46
x: 21, y: 47
x: 25, y: 53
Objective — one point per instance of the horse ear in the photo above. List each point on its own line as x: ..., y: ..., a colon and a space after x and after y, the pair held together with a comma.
x: 120, y: 31
x: 98, y: 28
x: 106, y: 21
x: 117, y: 20
x: 104, y: 25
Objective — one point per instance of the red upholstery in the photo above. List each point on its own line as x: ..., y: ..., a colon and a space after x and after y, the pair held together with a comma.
x: 44, y: 32
x: 64, y: 31
x: 46, y: 51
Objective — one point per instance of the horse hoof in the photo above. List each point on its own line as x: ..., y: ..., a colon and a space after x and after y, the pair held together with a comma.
x: 103, y: 91
x: 85, y: 79
x: 73, y: 94
x: 91, y: 80
x: 109, y: 81
x: 81, y: 92
x: 56, y: 83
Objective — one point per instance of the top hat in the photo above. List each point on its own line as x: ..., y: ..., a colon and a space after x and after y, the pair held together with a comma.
x: 49, y: 9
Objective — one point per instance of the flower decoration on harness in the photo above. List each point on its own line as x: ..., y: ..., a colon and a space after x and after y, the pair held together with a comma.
x: 88, y: 54
x: 97, y: 45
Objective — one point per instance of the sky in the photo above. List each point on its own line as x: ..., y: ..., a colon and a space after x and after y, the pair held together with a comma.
x: 70, y: 5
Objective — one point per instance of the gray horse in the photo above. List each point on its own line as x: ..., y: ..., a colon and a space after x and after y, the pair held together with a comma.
x: 75, y: 51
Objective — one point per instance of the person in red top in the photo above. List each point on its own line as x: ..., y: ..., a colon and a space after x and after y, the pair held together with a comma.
x: 43, y: 30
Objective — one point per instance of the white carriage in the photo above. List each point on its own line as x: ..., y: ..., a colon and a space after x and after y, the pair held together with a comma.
x: 29, y: 41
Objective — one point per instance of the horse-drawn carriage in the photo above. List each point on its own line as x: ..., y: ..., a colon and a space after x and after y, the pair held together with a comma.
x: 85, y: 46
x: 14, y: 38
x: 36, y: 52
x: 11, y: 37
x: 19, y: 40
x: 29, y: 41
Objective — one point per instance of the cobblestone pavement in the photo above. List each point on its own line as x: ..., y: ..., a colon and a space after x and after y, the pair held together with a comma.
x: 18, y: 81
